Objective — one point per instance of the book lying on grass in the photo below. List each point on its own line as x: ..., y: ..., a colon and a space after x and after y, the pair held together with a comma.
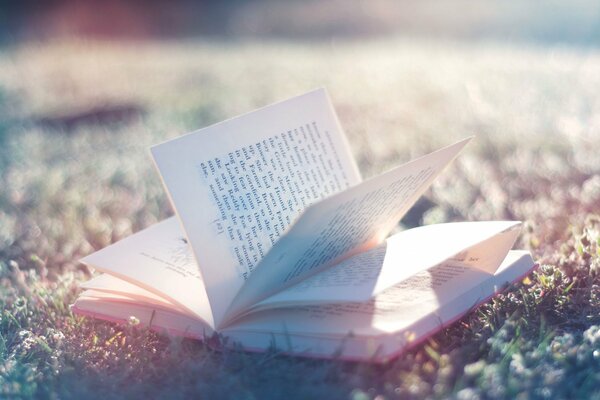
x: 278, y: 243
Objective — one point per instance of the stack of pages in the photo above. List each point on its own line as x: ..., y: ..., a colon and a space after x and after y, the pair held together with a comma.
x: 278, y: 243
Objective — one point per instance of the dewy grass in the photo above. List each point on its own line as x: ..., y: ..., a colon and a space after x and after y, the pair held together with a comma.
x: 66, y: 190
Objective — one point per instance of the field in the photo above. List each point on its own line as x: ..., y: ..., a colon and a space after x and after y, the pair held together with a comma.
x: 77, y: 118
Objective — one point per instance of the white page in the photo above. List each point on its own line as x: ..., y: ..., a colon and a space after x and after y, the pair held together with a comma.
x: 159, y: 260
x: 342, y: 331
x: 480, y: 245
x: 342, y: 225
x: 112, y: 285
x: 238, y: 185
x: 427, y: 293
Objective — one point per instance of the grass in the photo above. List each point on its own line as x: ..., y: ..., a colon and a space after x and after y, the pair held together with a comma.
x: 74, y: 178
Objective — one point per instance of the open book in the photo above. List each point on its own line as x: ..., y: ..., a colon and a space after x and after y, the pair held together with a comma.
x: 279, y: 243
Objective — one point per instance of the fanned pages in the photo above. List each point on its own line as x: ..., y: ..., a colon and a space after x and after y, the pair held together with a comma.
x: 352, y: 221
x: 277, y: 241
x: 238, y: 185
x: 158, y: 260
x: 401, y: 256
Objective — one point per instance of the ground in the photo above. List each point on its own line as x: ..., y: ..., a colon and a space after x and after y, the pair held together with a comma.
x: 76, y: 121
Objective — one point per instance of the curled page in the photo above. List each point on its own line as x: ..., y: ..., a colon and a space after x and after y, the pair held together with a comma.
x: 111, y: 285
x: 436, y: 295
x: 157, y: 259
x: 238, y: 185
x: 477, y: 245
x: 342, y: 225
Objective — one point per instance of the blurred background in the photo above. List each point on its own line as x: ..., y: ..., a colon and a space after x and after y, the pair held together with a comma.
x: 86, y: 87
x: 553, y: 21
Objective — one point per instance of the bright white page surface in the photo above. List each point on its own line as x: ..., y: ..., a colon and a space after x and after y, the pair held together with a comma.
x: 440, y: 293
x: 159, y: 260
x: 342, y: 225
x: 481, y: 245
x: 238, y: 185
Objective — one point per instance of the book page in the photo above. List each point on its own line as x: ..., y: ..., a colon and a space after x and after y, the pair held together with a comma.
x: 370, y: 331
x: 111, y: 285
x: 238, y: 185
x: 123, y: 298
x: 159, y: 260
x: 439, y: 293
x: 342, y: 225
x: 157, y: 318
x: 478, y: 245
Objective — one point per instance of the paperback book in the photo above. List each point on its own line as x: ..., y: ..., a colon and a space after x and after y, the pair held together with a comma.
x: 278, y: 243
